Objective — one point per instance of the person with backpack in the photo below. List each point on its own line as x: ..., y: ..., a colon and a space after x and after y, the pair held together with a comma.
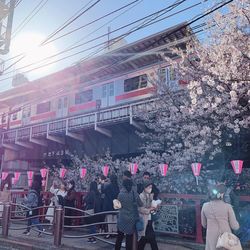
x: 33, y: 201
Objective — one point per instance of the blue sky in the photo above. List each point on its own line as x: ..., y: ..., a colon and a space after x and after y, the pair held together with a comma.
x: 56, y: 12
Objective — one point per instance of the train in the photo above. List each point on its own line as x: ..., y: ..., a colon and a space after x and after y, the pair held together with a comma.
x: 126, y: 88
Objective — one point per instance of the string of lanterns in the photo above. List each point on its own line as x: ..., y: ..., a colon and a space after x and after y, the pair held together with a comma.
x: 133, y: 168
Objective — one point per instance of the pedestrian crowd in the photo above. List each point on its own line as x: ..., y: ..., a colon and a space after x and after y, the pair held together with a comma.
x: 129, y: 211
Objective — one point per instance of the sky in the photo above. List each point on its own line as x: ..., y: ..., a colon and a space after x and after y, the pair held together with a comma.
x: 54, y: 13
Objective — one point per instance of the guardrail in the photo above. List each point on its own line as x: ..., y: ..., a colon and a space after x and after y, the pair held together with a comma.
x: 189, y: 210
x: 91, y: 119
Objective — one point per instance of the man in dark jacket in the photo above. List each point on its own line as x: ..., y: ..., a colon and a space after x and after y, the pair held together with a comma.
x: 140, y: 187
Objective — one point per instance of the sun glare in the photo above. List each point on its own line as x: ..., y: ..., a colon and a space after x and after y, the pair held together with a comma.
x: 29, y: 44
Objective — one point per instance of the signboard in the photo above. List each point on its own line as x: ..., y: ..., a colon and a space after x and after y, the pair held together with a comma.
x: 168, y: 219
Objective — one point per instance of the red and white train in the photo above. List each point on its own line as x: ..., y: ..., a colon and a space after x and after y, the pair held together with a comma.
x: 124, y: 89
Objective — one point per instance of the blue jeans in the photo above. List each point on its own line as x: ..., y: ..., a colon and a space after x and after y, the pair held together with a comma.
x: 92, y: 229
x: 34, y: 221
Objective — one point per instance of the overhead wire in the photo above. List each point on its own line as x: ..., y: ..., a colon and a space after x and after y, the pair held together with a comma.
x: 96, y: 38
x: 92, y: 22
x: 35, y: 11
x: 71, y: 21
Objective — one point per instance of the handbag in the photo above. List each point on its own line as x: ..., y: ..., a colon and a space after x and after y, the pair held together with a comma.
x: 155, y: 216
x: 227, y: 240
x: 117, y: 204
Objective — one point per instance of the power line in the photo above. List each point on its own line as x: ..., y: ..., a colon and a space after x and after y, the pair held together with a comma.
x: 101, y: 36
x: 69, y: 19
x: 198, y: 17
x: 67, y: 24
x: 94, y: 21
x: 37, y: 8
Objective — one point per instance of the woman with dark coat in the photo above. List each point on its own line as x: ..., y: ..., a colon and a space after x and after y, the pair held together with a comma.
x: 128, y: 214
x: 110, y: 192
x: 92, y: 204
x: 69, y: 201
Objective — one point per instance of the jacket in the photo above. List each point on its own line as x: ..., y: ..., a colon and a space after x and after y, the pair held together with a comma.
x: 110, y: 193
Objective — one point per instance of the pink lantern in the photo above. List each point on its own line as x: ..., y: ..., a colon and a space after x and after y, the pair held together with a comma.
x: 83, y: 172
x: 17, y: 175
x: 163, y: 169
x: 133, y: 167
x: 30, y: 181
x: 62, y: 172
x: 237, y: 166
x: 30, y: 175
x: 4, y: 175
x: 196, y: 167
x: 105, y: 170
x: 43, y: 172
x: 43, y: 182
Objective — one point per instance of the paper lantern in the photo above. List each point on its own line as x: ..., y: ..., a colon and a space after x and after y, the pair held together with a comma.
x: 83, y: 172
x: 196, y: 168
x: 30, y: 175
x: 43, y: 172
x: 30, y: 181
x: 17, y: 175
x: 237, y: 166
x: 163, y: 169
x: 62, y: 172
x: 133, y: 167
x: 4, y: 175
x: 105, y: 170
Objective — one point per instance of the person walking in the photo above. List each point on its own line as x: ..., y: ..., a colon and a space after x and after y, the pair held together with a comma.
x: 148, y: 234
x: 31, y: 201
x: 217, y: 217
x: 5, y: 197
x: 110, y: 192
x: 92, y: 205
x: 128, y: 214
x: 69, y: 202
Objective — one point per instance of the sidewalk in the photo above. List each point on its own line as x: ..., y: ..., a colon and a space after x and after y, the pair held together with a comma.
x: 17, y: 240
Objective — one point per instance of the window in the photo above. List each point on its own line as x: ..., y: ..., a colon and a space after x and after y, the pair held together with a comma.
x: 14, y: 117
x: 162, y: 75
x: 59, y: 103
x: 85, y: 96
x: 43, y: 107
x: 172, y: 74
x: 135, y: 83
x: 3, y: 119
x: 26, y: 111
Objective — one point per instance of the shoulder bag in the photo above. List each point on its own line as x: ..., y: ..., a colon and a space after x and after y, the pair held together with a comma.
x: 226, y: 240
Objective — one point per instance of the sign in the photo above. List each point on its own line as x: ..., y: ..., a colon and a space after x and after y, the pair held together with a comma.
x: 168, y: 219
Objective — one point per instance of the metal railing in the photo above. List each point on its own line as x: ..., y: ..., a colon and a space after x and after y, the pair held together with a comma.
x: 103, y: 116
x: 58, y: 226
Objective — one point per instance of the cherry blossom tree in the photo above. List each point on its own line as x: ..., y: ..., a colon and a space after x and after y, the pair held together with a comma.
x: 187, y: 124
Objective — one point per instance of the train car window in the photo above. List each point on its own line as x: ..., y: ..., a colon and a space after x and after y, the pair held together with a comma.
x: 59, y: 103
x: 65, y: 102
x: 26, y: 112
x: 111, y: 89
x: 14, y: 117
x: 104, y: 91
x: 135, y: 83
x: 3, y: 119
x: 85, y: 96
x: 43, y: 107
x: 162, y: 75
x: 172, y: 74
